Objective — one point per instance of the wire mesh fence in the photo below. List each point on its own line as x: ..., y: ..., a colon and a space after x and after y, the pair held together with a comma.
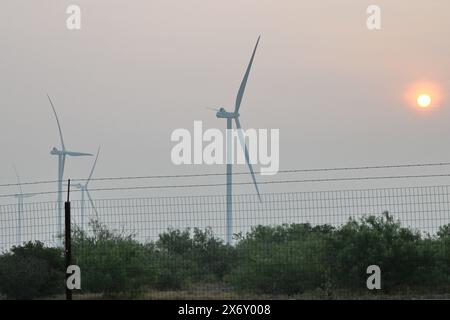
x: 301, y: 245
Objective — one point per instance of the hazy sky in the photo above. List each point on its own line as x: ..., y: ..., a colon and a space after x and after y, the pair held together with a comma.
x: 137, y: 70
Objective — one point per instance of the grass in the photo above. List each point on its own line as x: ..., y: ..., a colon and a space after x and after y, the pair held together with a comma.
x: 223, y: 294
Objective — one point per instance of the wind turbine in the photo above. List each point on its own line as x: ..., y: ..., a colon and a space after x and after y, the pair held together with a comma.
x: 84, y: 190
x: 62, y: 154
x: 20, y: 196
x: 223, y: 114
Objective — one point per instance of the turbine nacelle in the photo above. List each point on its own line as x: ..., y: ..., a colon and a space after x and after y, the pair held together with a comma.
x: 223, y: 114
x: 55, y: 152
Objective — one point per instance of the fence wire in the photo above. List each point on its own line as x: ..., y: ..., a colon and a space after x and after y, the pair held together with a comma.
x: 298, y: 244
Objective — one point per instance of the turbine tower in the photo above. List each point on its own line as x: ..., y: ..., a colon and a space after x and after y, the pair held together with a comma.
x: 62, y: 154
x: 20, y: 196
x: 85, y: 191
x: 223, y: 114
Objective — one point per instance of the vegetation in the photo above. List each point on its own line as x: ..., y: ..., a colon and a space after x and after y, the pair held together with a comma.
x: 281, y: 260
x: 31, y: 271
x: 111, y: 262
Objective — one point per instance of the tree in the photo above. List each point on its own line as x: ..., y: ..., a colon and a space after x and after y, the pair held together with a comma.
x: 32, y: 271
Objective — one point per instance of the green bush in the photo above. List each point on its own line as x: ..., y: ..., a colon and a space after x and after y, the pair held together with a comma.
x: 442, y: 248
x: 112, y: 263
x: 298, y: 258
x: 31, y: 271
x: 185, y: 258
x: 287, y: 259
x: 377, y: 241
x: 284, y: 260
x: 173, y: 272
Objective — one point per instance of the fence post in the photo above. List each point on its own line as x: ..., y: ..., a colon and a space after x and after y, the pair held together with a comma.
x: 68, y: 241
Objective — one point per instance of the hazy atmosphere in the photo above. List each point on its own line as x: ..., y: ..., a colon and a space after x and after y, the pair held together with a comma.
x: 139, y: 104
x: 137, y: 71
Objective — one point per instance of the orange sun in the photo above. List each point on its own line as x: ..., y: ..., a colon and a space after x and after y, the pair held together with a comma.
x: 423, y: 95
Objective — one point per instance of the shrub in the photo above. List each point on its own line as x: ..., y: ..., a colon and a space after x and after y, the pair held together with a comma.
x: 293, y: 259
x: 288, y: 259
x: 184, y: 258
x: 378, y: 241
x: 112, y: 263
x: 174, y: 272
x: 32, y: 271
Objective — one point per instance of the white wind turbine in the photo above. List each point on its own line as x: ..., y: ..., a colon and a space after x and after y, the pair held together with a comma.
x: 62, y: 154
x: 223, y: 114
x: 20, y: 196
x: 85, y: 191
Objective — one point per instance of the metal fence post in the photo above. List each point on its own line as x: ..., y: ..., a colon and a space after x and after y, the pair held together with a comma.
x: 68, y: 241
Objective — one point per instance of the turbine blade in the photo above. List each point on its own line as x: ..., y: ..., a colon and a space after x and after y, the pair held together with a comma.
x: 247, y: 157
x: 244, y: 81
x: 63, y: 165
x: 93, y: 168
x: 18, y: 180
x: 92, y: 202
x: 213, y: 109
x: 78, y: 154
x: 59, y: 125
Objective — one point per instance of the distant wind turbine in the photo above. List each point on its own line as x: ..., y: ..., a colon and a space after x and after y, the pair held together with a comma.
x: 223, y: 114
x: 20, y: 196
x: 85, y: 191
x: 61, y: 164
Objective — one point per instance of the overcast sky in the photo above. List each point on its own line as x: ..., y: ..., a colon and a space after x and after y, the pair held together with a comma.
x: 137, y: 70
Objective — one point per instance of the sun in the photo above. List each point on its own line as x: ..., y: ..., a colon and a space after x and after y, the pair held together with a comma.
x: 424, y: 95
x: 424, y: 100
